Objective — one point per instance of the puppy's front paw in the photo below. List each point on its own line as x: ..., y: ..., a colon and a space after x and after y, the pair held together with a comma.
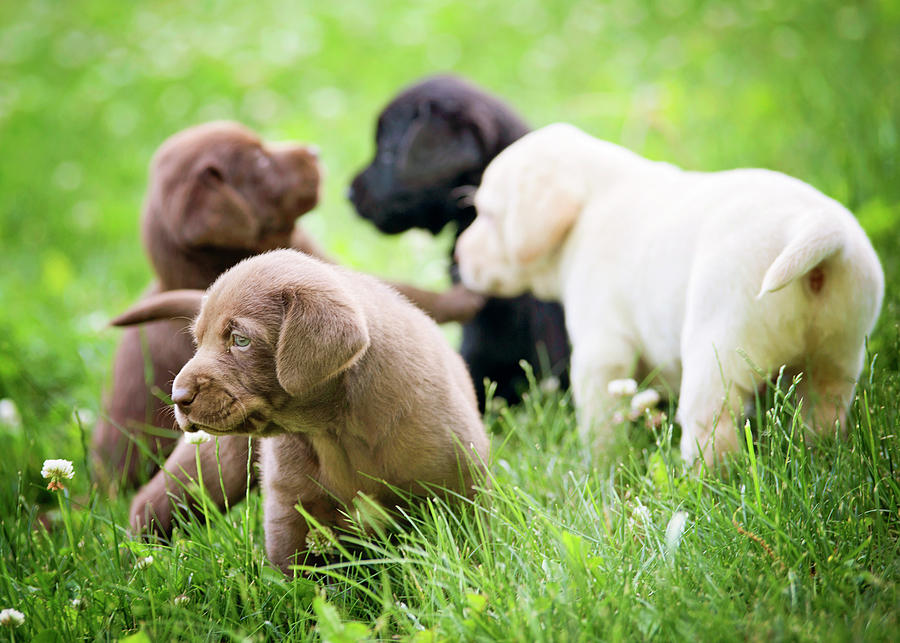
x: 458, y: 304
x: 150, y: 513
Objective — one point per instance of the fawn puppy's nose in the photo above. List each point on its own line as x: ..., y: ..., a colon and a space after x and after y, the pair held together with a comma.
x: 183, y: 396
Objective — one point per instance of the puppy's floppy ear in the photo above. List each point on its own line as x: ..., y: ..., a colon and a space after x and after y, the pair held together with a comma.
x: 542, y: 206
x: 323, y: 333
x: 211, y: 212
x: 437, y: 146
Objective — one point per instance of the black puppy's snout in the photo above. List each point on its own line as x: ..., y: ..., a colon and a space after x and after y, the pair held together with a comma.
x: 183, y: 396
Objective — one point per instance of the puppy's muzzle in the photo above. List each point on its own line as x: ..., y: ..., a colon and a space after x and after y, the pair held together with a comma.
x: 183, y: 397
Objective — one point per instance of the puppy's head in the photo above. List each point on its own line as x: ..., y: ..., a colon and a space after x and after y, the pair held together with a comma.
x: 271, y: 331
x: 433, y: 142
x: 218, y: 185
x: 528, y: 201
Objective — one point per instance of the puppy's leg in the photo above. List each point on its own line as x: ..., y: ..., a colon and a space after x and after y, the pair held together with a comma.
x: 286, y: 528
x: 153, y: 507
x: 828, y: 388
x: 133, y: 407
x: 709, y: 407
x: 595, y: 364
x: 457, y: 304
x: 290, y: 475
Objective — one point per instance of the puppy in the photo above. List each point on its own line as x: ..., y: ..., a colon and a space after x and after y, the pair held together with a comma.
x: 433, y: 142
x: 217, y: 194
x: 353, y: 391
x: 713, y: 280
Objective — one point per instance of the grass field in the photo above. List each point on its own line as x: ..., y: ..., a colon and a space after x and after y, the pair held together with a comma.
x: 790, y: 544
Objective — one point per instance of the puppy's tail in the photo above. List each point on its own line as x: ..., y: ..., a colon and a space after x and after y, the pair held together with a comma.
x: 814, y: 240
x: 170, y: 304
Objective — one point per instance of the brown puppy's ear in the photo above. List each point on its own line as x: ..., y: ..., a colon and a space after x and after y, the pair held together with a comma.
x: 170, y: 304
x: 543, y: 206
x: 213, y: 213
x: 323, y: 333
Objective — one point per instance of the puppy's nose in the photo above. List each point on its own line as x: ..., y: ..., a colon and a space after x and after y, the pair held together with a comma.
x: 183, y: 396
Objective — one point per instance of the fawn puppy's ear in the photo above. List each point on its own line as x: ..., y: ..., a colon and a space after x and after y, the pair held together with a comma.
x: 211, y: 212
x: 323, y: 333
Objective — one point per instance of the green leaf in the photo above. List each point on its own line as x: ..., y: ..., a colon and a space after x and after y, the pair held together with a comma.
x: 477, y: 602
x: 47, y: 636
x: 137, y: 637
x: 422, y: 636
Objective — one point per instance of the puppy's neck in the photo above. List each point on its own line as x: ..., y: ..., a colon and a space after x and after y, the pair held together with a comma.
x: 177, y: 266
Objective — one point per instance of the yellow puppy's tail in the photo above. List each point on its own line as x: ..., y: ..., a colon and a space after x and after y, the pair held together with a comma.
x: 815, y: 240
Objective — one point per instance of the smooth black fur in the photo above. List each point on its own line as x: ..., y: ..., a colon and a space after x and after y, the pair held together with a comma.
x: 434, y: 141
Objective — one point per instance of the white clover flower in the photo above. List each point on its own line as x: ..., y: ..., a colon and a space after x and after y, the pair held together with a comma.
x: 57, y: 471
x: 643, y: 514
x: 143, y: 563
x: 197, y: 437
x: 11, y: 618
x: 622, y: 388
x: 320, y: 541
x: 675, y: 529
x: 181, y: 599
x: 77, y: 603
x: 644, y: 400
x: 550, y: 384
x: 9, y: 413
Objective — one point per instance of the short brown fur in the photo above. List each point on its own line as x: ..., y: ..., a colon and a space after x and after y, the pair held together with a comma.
x: 350, y: 387
x: 217, y: 194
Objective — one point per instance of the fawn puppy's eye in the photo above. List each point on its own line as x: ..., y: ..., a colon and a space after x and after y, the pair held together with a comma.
x: 239, y: 340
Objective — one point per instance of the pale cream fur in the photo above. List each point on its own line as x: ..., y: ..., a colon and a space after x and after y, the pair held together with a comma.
x: 713, y: 280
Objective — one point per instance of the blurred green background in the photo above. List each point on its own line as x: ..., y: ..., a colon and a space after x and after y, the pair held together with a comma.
x: 88, y: 89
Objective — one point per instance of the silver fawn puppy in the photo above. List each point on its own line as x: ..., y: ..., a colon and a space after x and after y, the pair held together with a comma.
x: 354, y: 391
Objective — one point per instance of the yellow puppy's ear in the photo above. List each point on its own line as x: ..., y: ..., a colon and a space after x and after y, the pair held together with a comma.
x: 323, y: 333
x: 543, y: 206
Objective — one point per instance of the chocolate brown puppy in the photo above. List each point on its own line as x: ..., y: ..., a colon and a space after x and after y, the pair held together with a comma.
x: 217, y: 194
x: 352, y: 391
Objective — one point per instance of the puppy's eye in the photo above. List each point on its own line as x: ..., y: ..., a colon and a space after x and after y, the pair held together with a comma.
x: 239, y: 340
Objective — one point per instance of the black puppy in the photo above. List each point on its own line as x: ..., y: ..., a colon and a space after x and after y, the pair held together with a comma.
x: 433, y: 142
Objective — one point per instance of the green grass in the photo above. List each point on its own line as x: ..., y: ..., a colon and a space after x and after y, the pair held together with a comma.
x: 791, y: 543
